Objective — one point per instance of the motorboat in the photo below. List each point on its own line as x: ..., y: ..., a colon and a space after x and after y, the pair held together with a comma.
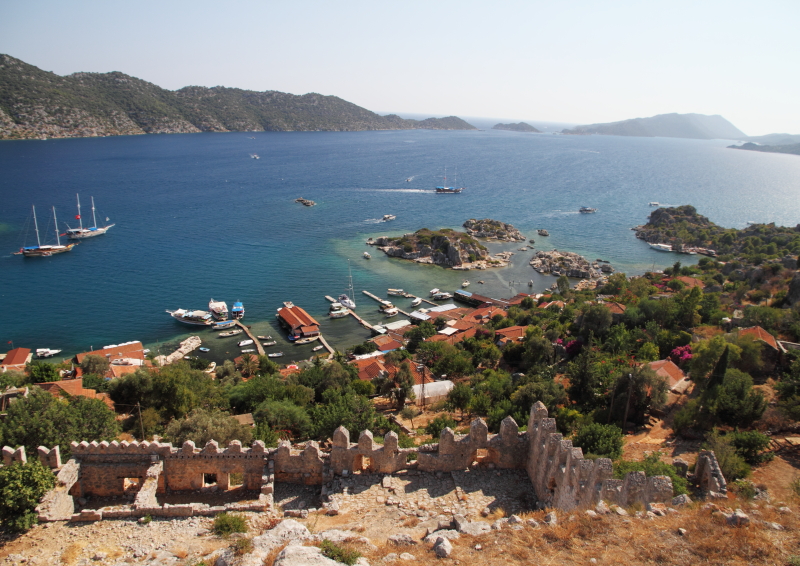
x: 268, y: 344
x: 306, y: 340
x: 530, y: 283
x: 434, y: 291
x: 661, y: 247
x: 441, y: 296
x: 219, y: 309
x: 395, y: 292
x: 237, y: 312
x: 195, y: 318
x: 80, y: 232
x: 231, y: 333
x: 367, y: 256
x: 338, y: 310
x: 223, y: 325
x: 388, y: 217
x: 211, y: 367
x: 275, y: 355
x: 46, y: 352
x: 391, y: 312
x: 586, y: 210
x: 264, y: 337
x: 248, y: 351
x: 465, y: 283
x: 386, y: 305
x: 654, y: 203
x: 254, y: 156
x: 244, y: 343
x: 416, y: 302
x: 204, y: 349
x: 317, y: 348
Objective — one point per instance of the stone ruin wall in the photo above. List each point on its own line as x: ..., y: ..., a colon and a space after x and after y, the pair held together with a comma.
x: 561, y: 477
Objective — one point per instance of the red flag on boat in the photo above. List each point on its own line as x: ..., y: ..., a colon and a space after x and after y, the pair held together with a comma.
x: 77, y: 217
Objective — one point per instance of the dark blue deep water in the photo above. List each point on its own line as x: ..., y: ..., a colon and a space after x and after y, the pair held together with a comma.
x: 197, y: 218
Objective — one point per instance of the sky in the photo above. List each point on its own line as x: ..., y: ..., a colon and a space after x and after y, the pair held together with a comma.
x: 571, y: 61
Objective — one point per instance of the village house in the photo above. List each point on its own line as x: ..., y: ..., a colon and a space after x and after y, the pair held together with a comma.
x: 74, y: 388
x: 674, y: 376
x: 505, y: 336
x: 772, y: 351
x: 15, y: 359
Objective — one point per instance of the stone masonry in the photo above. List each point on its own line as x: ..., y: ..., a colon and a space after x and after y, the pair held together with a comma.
x: 559, y: 475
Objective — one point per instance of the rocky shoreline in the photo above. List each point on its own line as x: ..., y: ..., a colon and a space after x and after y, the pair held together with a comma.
x: 568, y: 263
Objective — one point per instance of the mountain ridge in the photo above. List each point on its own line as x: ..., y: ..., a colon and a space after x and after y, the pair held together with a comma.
x: 693, y: 126
x: 40, y: 104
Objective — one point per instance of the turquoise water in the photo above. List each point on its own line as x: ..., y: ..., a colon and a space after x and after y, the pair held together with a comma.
x: 197, y: 218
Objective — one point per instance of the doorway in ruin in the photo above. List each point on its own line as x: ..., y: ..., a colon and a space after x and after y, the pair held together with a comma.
x: 361, y: 464
x: 209, y: 480
x: 131, y: 485
x: 235, y: 480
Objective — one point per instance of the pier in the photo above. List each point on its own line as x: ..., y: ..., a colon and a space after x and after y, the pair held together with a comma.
x: 381, y: 301
x: 252, y: 337
x: 360, y: 320
x: 327, y: 346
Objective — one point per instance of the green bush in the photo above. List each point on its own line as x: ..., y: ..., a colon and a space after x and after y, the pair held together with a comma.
x: 437, y: 425
x: 599, y: 439
x: 242, y: 546
x: 751, y: 445
x: 340, y: 554
x: 744, y: 488
x: 653, y: 466
x: 732, y: 465
x: 21, y: 488
x: 226, y: 524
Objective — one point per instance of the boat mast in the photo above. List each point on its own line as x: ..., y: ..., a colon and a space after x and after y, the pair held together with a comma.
x: 36, y: 226
x: 350, y: 272
x: 94, y: 218
x: 58, y: 238
x: 80, y: 220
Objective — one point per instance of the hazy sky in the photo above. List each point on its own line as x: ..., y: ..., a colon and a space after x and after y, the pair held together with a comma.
x: 569, y: 61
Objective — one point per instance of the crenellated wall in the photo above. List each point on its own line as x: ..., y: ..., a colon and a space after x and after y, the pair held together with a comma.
x: 560, y: 475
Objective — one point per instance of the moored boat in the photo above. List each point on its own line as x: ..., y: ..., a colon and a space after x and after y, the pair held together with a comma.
x: 442, y: 295
x: 465, y: 283
x: 204, y: 349
x: 223, y: 325
x: 248, y: 351
x: 661, y: 247
x: 245, y: 343
x: 237, y: 312
x: 195, y: 318
x: 264, y: 337
x: 416, y: 302
x: 268, y: 344
x: 317, y: 348
x: 219, y: 309
x: 46, y: 352
x: 307, y: 340
x: 231, y: 333
x: 347, y: 299
x: 275, y: 355
x: 367, y: 256
x: 46, y: 250
x: 434, y: 291
x: 391, y: 312
x: 338, y: 310
x: 395, y: 292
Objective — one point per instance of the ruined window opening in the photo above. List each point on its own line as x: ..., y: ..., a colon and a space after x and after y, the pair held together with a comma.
x: 361, y: 464
x: 481, y: 454
x: 209, y: 480
x: 235, y: 479
x: 131, y: 484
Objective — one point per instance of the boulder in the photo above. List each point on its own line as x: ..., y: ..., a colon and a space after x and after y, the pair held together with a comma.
x: 285, y: 531
x: 441, y: 547
x: 475, y: 528
x: 681, y: 500
x: 448, y: 534
x: 737, y: 519
x: 295, y: 555
x: 402, y: 539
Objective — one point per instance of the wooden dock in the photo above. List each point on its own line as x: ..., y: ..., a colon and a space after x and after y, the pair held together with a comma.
x: 352, y: 313
x: 252, y: 337
x: 381, y: 301
x: 328, y: 347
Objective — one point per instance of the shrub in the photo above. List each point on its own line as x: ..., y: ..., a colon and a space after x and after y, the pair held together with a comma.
x: 226, y: 524
x: 599, y: 439
x: 653, y: 466
x: 242, y: 546
x: 340, y: 554
x: 21, y: 488
x: 732, y: 465
x: 437, y: 425
x: 744, y: 488
x: 751, y: 445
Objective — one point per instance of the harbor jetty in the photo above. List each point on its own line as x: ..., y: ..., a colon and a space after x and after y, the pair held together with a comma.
x: 360, y: 320
x: 252, y: 337
x: 186, y: 347
x: 383, y: 302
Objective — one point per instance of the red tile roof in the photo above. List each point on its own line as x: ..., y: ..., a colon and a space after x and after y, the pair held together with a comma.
x: 668, y: 370
x: 385, y: 343
x: 365, y: 371
x: 16, y: 357
x: 616, y: 308
x: 759, y: 333
x: 134, y: 350
x: 486, y: 313
x: 295, y: 317
x: 512, y: 332
x: 74, y: 388
x: 691, y: 282
x: 419, y: 373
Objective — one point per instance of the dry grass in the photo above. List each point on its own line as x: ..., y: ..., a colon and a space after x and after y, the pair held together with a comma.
x: 273, y: 554
x: 410, y: 522
x: 72, y: 553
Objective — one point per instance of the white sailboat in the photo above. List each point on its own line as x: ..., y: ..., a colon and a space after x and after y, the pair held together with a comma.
x: 346, y: 299
x: 46, y: 250
x: 80, y: 232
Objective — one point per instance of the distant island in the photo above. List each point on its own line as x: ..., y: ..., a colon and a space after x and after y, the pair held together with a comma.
x: 521, y: 127
x: 39, y: 104
x: 449, y: 248
x: 791, y: 148
x: 694, y: 126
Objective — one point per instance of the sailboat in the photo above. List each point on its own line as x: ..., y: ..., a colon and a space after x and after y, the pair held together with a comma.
x: 80, y: 232
x: 45, y: 250
x: 448, y: 190
x: 345, y: 299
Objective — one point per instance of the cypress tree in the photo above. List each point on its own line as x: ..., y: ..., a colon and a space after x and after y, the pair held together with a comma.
x: 718, y: 375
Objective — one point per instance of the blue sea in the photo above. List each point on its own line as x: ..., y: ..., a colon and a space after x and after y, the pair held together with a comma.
x: 196, y: 217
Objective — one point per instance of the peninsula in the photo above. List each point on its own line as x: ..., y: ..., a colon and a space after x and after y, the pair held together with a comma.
x: 694, y: 126
x: 36, y: 104
x: 793, y: 148
x: 449, y: 248
x: 520, y: 127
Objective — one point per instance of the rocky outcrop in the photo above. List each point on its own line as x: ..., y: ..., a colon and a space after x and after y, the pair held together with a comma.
x: 565, y: 263
x: 493, y: 230
x: 445, y: 247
